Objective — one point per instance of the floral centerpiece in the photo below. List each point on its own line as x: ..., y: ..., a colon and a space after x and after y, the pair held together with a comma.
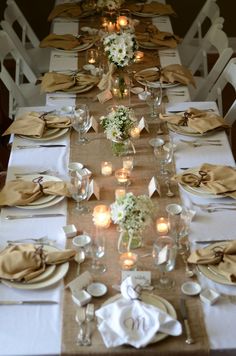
x: 109, y: 4
x: 120, y: 48
x: 132, y: 214
x: 117, y: 126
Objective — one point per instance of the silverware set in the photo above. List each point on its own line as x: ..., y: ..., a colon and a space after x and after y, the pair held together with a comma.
x: 199, y: 143
x: 41, y: 240
x: 85, y: 317
x: 215, y: 207
x: 33, y: 216
x: 22, y: 147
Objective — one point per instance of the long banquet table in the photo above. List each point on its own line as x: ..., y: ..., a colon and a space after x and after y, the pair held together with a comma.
x: 52, y: 330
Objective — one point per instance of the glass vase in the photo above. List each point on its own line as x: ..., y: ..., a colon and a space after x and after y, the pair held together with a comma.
x: 127, y: 241
x: 120, y: 86
x: 122, y: 147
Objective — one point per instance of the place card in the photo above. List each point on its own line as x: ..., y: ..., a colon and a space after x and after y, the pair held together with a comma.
x: 94, y: 190
x: 143, y: 125
x: 80, y: 282
x: 93, y: 124
x: 104, y: 96
x: 141, y: 277
x: 154, y: 187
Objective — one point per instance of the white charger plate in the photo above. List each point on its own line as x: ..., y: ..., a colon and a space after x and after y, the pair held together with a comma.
x: 156, y: 301
x: 49, y: 135
x: 59, y: 272
x: 80, y: 48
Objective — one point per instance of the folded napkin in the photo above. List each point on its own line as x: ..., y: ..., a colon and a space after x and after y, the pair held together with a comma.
x: 173, y: 73
x: 151, y: 34
x: 22, y: 262
x: 66, y: 41
x: 65, y: 10
x: 35, y: 124
x: 154, y: 8
x: 53, y: 81
x: 128, y: 320
x: 216, y: 179
x: 20, y: 192
x: 224, y: 257
x: 199, y: 121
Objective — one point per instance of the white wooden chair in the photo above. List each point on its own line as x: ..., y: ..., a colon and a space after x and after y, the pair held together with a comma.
x: 228, y: 76
x: 27, y: 41
x: 20, y: 93
x: 217, y: 39
x: 207, y: 16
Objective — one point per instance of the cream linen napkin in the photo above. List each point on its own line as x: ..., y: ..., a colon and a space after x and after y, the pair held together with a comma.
x: 199, y: 121
x: 173, y: 73
x: 36, y: 124
x: 128, y: 320
x: 154, y: 8
x: 23, y: 262
x: 66, y: 41
x: 65, y: 10
x: 153, y: 35
x: 216, y: 179
x: 53, y: 81
x: 19, y: 192
x: 222, y: 257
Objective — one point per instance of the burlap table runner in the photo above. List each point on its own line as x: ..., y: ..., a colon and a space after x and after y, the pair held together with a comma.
x: 91, y: 155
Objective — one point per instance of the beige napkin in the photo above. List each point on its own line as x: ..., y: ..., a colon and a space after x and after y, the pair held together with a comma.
x: 153, y: 8
x: 32, y: 125
x: 65, y: 10
x: 173, y: 73
x: 66, y: 41
x: 199, y: 121
x: 26, y: 261
x: 216, y: 179
x: 224, y: 258
x: 153, y: 35
x: 19, y: 192
x: 53, y: 81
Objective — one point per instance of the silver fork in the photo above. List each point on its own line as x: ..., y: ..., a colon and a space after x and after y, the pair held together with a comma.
x: 198, y: 144
x: 34, y: 172
x: 80, y: 318
x: 89, y: 317
x: 40, y: 240
x: 216, y: 209
x: 214, y: 205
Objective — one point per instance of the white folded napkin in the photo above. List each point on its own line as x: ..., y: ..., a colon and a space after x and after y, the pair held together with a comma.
x: 128, y: 320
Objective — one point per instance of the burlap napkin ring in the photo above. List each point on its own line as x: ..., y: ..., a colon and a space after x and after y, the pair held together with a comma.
x: 39, y: 181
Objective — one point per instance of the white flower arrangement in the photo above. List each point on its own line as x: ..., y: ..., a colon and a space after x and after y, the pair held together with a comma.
x: 118, y: 123
x: 120, y: 48
x: 132, y: 213
x: 109, y: 4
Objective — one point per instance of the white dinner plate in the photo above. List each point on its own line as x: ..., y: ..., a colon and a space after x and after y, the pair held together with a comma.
x: 187, y: 131
x: 211, y: 271
x: 49, y: 135
x: 80, y: 48
x: 151, y: 45
x: 45, y: 201
x: 58, y: 273
x: 155, y: 84
x: 156, y: 301
x: 49, y: 270
x: 145, y: 14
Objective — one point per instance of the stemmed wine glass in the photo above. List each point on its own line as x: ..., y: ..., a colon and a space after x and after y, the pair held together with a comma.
x: 79, y: 187
x: 98, y: 251
x: 153, y: 98
x: 164, y: 154
x: 164, y: 255
x: 80, y: 121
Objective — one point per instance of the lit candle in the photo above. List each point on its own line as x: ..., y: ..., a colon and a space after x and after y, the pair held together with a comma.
x: 111, y: 27
x: 135, y: 132
x: 106, y: 168
x: 92, y: 56
x: 122, y: 21
x: 120, y: 192
x: 128, y: 163
x: 162, y: 226
x: 122, y: 176
x: 101, y: 216
x: 139, y: 56
x: 128, y: 261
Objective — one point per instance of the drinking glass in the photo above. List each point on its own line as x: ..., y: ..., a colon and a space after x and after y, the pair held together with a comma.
x: 80, y: 121
x: 98, y: 251
x: 79, y: 187
x: 153, y: 99
x: 164, y: 255
x: 164, y: 154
